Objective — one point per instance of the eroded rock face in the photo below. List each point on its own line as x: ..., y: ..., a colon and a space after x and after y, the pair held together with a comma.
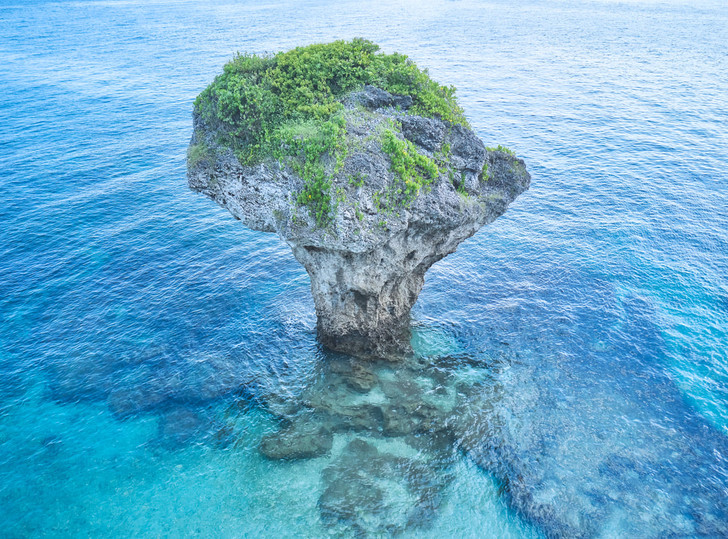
x: 367, y: 266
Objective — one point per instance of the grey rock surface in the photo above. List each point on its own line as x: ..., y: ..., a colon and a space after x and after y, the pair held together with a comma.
x: 301, y: 440
x: 368, y: 266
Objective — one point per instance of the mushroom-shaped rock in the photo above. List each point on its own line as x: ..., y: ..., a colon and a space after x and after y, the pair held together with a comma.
x: 360, y: 162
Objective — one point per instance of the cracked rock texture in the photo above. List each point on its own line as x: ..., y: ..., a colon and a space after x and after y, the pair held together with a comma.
x: 368, y: 266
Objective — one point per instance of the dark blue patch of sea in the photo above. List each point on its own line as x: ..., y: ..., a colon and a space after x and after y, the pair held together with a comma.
x: 144, y: 333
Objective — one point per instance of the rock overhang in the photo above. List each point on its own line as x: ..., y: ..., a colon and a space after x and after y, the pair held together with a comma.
x: 405, y: 190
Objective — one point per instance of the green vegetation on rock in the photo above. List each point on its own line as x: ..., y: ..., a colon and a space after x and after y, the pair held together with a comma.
x: 503, y: 149
x: 288, y: 107
x: 413, y: 169
x: 197, y: 153
x: 485, y: 173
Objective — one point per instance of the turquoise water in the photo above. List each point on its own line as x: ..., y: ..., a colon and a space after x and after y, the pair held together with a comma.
x: 147, y: 340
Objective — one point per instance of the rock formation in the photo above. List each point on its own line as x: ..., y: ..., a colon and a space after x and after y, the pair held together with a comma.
x: 404, y: 191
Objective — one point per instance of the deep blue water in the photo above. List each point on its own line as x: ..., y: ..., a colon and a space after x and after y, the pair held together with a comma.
x: 143, y: 330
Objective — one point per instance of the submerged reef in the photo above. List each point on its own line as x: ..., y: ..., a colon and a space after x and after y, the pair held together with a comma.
x: 364, y: 165
x: 387, y: 434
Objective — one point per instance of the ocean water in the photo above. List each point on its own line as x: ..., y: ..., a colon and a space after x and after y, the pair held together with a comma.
x: 575, y: 351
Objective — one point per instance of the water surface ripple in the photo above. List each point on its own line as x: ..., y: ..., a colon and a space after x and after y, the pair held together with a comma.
x: 572, y: 368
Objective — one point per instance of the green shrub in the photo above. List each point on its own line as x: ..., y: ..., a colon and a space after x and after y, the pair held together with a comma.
x: 485, y: 173
x: 503, y: 149
x: 413, y: 169
x: 357, y: 179
x: 288, y: 106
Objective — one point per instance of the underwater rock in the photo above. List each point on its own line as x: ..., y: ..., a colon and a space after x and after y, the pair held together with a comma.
x: 357, y: 418
x: 368, y: 193
x: 355, y: 375
x: 179, y: 426
x: 377, y: 492
x: 387, y: 442
x: 130, y: 399
x: 224, y: 435
x: 173, y: 381
x: 552, y: 429
x: 412, y: 418
x: 86, y: 378
x: 392, y: 476
x: 300, y: 440
x: 211, y: 377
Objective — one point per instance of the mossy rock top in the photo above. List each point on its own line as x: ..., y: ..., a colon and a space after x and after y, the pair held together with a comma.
x: 340, y: 143
x: 259, y: 100
x: 289, y: 107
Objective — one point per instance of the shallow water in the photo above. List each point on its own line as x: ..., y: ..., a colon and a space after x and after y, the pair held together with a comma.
x: 148, y: 340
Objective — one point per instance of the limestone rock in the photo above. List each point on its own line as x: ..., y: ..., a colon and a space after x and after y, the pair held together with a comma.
x: 301, y: 440
x: 367, y: 266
